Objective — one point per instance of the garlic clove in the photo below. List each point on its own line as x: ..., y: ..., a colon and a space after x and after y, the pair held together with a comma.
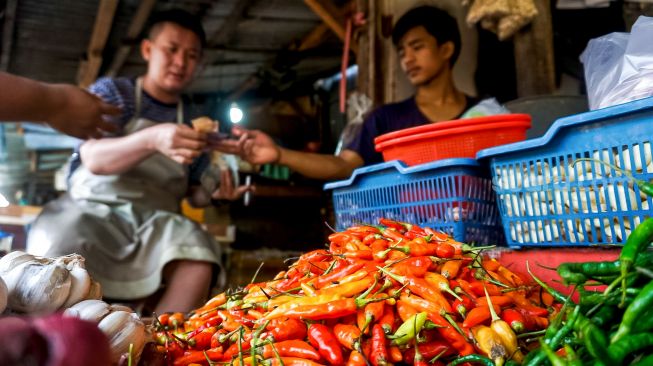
x: 95, y: 291
x: 3, y: 295
x: 123, y: 328
x: 80, y: 285
x: 91, y: 310
x: 13, y: 260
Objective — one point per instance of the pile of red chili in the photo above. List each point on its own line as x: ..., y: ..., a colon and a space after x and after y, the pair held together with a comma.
x: 380, y: 295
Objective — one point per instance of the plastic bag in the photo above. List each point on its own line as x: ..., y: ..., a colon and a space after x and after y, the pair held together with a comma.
x: 486, y: 107
x: 619, y: 66
x: 358, y: 105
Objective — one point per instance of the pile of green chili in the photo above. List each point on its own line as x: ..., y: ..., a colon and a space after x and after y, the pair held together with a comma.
x: 609, y: 327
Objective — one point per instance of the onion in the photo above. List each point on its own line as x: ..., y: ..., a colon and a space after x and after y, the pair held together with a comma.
x: 73, y: 342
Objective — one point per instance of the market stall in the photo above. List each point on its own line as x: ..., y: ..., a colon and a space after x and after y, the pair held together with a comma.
x: 464, y: 244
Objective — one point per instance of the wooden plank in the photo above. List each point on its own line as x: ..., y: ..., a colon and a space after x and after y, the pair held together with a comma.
x: 8, y: 34
x: 135, y: 28
x: 332, y: 17
x: 314, y: 38
x: 226, y: 32
x: 89, y: 69
x: 534, y: 61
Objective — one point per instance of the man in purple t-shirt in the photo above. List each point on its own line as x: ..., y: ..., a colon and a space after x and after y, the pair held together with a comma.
x: 428, y: 43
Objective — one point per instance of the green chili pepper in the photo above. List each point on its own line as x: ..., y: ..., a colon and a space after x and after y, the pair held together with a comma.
x: 590, y: 298
x: 594, y: 339
x: 645, y: 322
x: 627, y: 346
x: 551, y: 355
x: 472, y: 359
x: 604, y: 316
x: 554, y: 338
x: 638, y: 240
x: 633, y: 313
x: 409, y: 329
x: 644, y: 361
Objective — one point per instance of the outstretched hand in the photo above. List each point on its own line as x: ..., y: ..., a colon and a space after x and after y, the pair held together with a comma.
x: 178, y: 142
x: 80, y: 113
x: 227, y: 190
x: 253, y: 146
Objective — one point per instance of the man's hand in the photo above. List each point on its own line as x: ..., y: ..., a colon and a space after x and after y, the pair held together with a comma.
x: 227, y: 191
x: 178, y: 142
x: 254, y: 146
x: 80, y: 113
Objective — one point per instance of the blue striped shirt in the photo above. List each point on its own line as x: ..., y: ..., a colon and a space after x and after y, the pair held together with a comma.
x: 121, y: 92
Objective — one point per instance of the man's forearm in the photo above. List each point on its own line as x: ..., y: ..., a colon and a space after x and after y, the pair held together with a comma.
x: 23, y: 99
x: 116, y: 155
x: 317, y: 166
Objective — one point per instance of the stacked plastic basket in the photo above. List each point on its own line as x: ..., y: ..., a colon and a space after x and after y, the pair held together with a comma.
x: 555, y: 190
x: 451, y: 195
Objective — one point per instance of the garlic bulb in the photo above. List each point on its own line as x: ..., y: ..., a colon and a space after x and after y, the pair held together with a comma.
x: 40, y: 285
x: 3, y: 295
x: 120, y: 324
x: 123, y: 328
x: 38, y: 288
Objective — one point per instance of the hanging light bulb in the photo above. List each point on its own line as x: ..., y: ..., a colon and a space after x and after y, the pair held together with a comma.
x: 235, y: 113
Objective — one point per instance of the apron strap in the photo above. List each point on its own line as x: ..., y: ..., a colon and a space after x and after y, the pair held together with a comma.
x: 138, y: 96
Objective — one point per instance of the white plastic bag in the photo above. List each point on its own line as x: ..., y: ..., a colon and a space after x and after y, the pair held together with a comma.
x: 486, y: 107
x: 619, y: 66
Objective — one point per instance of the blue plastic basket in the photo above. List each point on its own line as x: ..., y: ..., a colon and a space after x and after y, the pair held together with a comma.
x: 547, y: 200
x: 452, y: 195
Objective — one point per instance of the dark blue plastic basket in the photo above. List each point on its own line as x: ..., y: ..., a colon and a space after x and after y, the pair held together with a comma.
x: 452, y: 195
x: 546, y: 200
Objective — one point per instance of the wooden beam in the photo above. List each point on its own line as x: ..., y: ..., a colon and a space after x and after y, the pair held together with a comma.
x: 314, y: 38
x: 8, y: 34
x: 534, y: 54
x: 89, y: 69
x: 226, y: 32
x: 332, y: 17
x: 135, y: 28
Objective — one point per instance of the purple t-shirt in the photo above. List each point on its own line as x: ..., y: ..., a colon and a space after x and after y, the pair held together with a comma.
x: 386, y: 119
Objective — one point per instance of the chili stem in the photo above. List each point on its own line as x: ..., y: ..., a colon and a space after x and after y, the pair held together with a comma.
x: 532, y: 334
x: 256, y: 273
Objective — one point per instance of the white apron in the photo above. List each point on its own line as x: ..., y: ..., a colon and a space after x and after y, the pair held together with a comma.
x: 127, y: 226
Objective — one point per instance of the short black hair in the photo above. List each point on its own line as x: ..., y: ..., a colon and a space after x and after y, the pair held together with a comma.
x: 181, y: 18
x: 436, y: 21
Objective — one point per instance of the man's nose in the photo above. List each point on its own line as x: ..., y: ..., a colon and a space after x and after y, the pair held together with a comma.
x: 179, y: 59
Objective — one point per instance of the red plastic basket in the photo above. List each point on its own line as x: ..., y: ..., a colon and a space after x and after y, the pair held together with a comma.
x: 452, y: 139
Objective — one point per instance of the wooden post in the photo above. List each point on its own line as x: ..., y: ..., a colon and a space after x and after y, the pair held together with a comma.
x: 8, y: 34
x: 534, y: 54
x: 135, y: 28
x: 88, y: 69
x: 369, y: 57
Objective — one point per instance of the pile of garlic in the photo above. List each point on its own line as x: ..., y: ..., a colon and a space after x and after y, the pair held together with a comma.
x: 120, y: 324
x: 38, y: 285
x: 546, y: 197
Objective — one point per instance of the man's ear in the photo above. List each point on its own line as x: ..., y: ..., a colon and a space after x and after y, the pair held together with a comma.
x: 446, y: 50
x: 146, y: 49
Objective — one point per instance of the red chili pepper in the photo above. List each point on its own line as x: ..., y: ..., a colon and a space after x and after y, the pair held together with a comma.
x: 415, y: 266
x: 387, y: 320
x: 477, y: 287
x: 515, y: 319
x: 347, y: 334
x: 534, y: 311
x: 321, y: 337
x: 359, y: 254
x: 245, y: 345
x: 399, y: 226
x: 429, y: 350
x: 291, y: 361
x: 286, y: 328
x: 461, y: 306
x: 445, y: 250
x: 202, y: 340
x: 372, y: 311
x: 451, y: 268
x: 404, y: 310
x: 163, y: 319
x: 208, y: 324
x: 291, y: 348
x: 356, y: 359
x: 334, y: 276
x: 379, y: 350
x: 422, y: 288
x: 214, y: 354
x: 394, y: 354
x: 476, y: 316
